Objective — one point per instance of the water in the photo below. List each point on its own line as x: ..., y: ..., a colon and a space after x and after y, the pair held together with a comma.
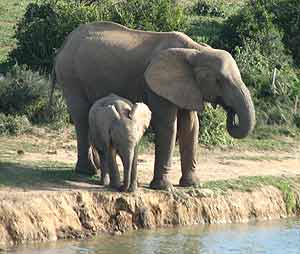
x: 274, y: 237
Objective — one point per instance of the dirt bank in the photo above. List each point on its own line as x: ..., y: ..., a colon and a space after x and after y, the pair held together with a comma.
x: 51, y: 215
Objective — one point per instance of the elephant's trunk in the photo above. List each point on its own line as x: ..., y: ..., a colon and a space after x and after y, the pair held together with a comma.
x: 240, y: 111
x: 127, y: 165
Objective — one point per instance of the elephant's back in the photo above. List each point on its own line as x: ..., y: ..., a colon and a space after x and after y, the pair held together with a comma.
x: 109, y: 58
x: 100, y: 120
x: 122, y: 105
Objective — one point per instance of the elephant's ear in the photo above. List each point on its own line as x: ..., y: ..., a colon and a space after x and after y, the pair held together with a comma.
x: 141, y: 114
x: 171, y: 76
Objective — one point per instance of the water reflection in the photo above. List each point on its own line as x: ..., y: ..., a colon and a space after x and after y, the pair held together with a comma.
x: 264, y: 237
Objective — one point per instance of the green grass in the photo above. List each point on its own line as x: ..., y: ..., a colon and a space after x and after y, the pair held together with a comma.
x: 271, y: 138
x: 289, y: 186
x: 256, y: 158
x: 10, y: 12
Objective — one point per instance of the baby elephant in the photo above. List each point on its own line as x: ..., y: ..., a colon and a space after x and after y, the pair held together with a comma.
x: 115, y: 127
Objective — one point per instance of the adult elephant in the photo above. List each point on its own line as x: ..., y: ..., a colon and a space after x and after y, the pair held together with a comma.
x: 170, y: 72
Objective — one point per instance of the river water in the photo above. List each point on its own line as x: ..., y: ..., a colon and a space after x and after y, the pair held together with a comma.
x: 282, y: 236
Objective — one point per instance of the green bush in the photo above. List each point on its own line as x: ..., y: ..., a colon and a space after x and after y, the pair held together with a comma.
x: 43, y: 28
x: 46, y: 24
x: 286, y: 15
x: 153, y: 15
x: 257, y: 41
x: 274, y: 101
x: 20, y: 89
x: 213, y: 127
x: 214, y: 8
x: 13, y: 125
x: 270, y: 23
x: 252, y: 23
x: 24, y: 92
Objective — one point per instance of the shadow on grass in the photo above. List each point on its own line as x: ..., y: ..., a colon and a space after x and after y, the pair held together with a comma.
x: 44, y: 177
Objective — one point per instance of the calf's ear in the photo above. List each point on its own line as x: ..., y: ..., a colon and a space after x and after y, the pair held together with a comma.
x: 141, y: 114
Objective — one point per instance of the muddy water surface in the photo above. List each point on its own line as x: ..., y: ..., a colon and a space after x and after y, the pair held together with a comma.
x: 258, y: 237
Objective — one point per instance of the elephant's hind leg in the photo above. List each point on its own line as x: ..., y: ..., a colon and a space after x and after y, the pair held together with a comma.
x: 79, y: 110
x: 188, y: 129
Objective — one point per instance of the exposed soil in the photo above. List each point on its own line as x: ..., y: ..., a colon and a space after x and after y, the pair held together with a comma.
x: 212, y: 164
x: 49, y: 216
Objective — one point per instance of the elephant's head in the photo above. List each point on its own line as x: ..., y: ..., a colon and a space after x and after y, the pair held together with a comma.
x: 189, y: 77
x: 125, y: 134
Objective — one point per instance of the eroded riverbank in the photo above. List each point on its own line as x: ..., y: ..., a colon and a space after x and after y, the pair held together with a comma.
x: 42, y: 199
x: 51, y: 215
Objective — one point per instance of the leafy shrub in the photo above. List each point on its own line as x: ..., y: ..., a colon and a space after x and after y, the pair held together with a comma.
x: 257, y: 41
x: 213, y: 127
x: 13, y: 125
x: 24, y: 92
x: 252, y: 23
x: 286, y: 15
x: 154, y: 15
x: 46, y: 24
x: 20, y: 89
x: 274, y: 101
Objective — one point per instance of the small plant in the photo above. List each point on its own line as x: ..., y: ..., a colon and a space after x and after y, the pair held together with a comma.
x: 13, y: 125
x: 208, y: 8
x: 213, y: 127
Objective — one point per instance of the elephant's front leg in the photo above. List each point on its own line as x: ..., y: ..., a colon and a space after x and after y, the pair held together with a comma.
x: 188, y: 129
x: 164, y: 122
x: 104, y: 168
x: 134, y: 184
x: 114, y: 174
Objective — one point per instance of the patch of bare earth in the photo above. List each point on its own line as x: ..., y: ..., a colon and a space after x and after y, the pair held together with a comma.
x: 212, y: 164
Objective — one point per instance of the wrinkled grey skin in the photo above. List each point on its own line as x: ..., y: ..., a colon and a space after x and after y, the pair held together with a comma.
x: 168, y: 71
x: 115, y: 127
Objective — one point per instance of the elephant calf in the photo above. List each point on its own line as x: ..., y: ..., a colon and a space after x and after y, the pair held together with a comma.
x: 115, y: 127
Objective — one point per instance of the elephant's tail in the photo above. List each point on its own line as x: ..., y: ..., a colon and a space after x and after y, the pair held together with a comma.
x: 52, y: 86
x: 91, y: 155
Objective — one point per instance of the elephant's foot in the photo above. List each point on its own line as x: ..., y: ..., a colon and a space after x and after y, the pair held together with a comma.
x: 115, y: 185
x: 133, y: 187
x: 189, y: 180
x: 104, y: 180
x: 85, y: 168
x: 161, y: 184
x: 124, y: 188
